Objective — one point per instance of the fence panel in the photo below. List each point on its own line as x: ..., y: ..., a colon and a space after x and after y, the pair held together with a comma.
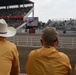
x: 34, y: 41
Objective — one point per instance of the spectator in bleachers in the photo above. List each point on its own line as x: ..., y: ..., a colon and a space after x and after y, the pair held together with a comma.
x: 47, y: 60
x: 9, y: 60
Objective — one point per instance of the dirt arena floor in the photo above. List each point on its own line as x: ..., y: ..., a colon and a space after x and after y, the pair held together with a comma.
x: 24, y: 51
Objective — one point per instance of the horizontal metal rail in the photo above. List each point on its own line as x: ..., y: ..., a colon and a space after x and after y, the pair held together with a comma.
x: 34, y: 41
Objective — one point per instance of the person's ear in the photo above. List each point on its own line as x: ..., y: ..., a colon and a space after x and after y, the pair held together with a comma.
x: 57, y: 42
x: 41, y: 41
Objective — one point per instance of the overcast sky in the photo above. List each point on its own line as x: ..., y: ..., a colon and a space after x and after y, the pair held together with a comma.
x: 54, y: 9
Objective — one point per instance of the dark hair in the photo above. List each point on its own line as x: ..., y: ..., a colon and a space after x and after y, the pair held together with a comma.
x: 50, y: 39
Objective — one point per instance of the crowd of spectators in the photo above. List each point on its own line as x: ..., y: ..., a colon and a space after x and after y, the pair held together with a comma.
x: 15, y: 22
x: 14, y: 16
x: 14, y: 11
x: 63, y: 24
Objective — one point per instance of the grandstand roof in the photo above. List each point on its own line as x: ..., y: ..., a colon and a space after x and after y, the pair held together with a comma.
x: 14, y: 2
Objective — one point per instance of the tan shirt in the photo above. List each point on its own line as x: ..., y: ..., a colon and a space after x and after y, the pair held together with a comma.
x: 48, y: 61
x: 9, y: 61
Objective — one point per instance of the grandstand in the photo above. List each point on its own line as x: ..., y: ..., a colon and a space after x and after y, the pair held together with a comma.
x: 67, y: 24
x: 14, y: 11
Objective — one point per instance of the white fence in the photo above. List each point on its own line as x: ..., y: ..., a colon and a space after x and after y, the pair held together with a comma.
x: 34, y: 41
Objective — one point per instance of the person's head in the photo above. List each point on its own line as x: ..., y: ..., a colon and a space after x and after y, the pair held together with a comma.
x: 6, y: 31
x: 49, y: 37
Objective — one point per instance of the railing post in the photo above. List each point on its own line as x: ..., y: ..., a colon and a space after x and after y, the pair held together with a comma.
x: 72, y: 42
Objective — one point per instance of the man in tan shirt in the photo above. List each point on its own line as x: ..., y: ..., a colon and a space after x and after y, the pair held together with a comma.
x: 9, y: 60
x: 47, y: 60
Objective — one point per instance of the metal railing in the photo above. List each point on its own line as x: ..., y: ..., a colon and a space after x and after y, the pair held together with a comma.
x: 34, y: 41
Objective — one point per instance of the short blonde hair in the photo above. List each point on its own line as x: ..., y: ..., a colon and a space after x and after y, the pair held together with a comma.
x: 50, y: 34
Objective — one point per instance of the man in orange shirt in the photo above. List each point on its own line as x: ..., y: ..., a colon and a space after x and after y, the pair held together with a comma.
x: 9, y: 60
x: 47, y: 60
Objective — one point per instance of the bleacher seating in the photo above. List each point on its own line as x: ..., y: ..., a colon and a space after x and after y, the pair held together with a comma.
x: 14, y: 16
x: 62, y: 24
x: 14, y: 11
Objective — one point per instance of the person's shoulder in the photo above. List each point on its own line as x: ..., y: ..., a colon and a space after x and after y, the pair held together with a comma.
x: 12, y: 46
x: 64, y: 56
x: 11, y: 43
x: 33, y: 52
